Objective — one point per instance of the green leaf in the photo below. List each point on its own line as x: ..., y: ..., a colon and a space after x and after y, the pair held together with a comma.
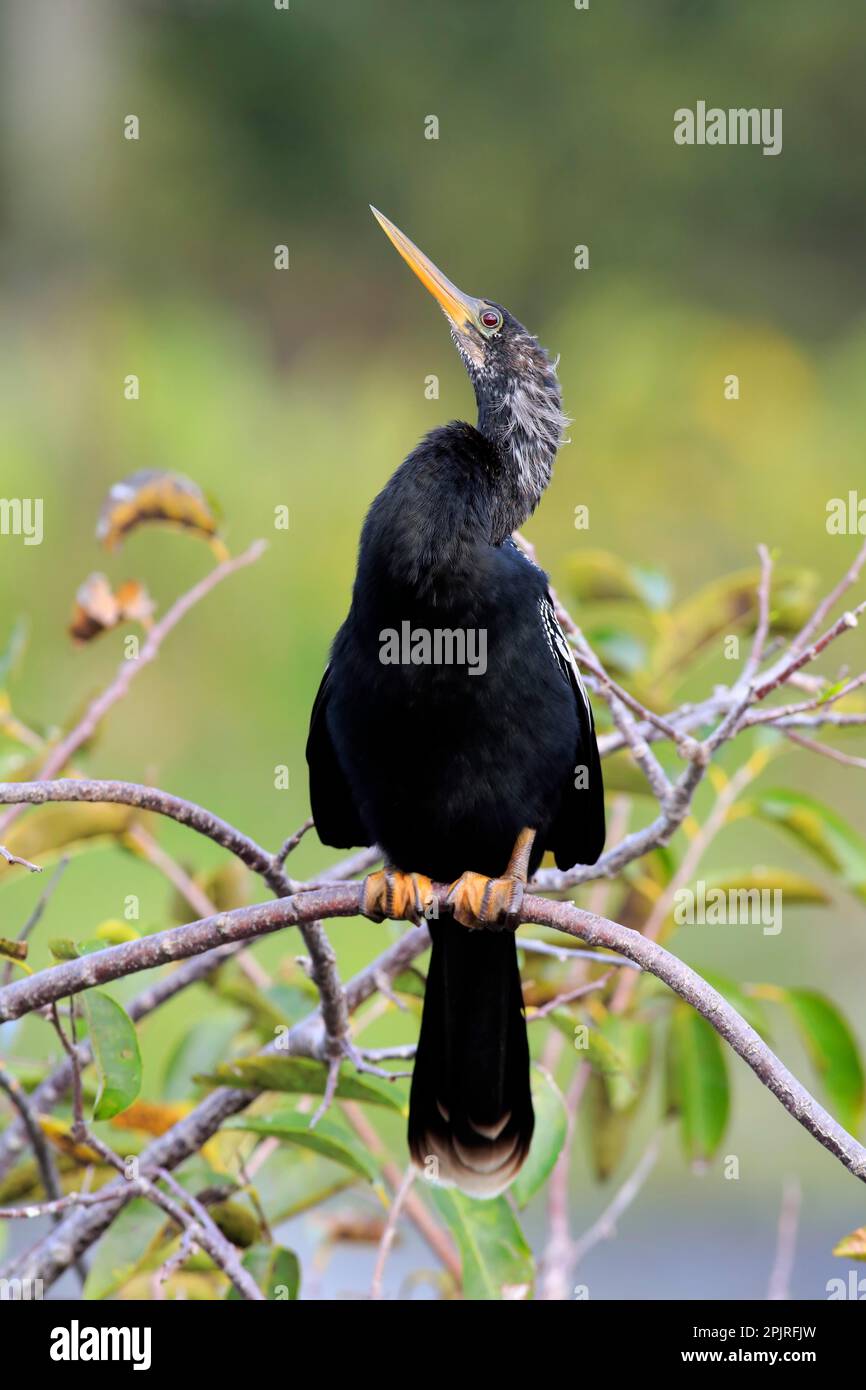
x: 654, y: 585
x: 411, y: 982
x: 120, y: 1251
x: 275, y: 1269
x: 237, y: 1221
x: 726, y: 605
x: 630, y: 1040
x: 197, y: 1050
x: 619, y: 1052
x: 797, y: 890
x: 497, y: 1262
x: 833, y: 1049
x: 328, y: 1138
x: 622, y: 774
x: 115, y: 1053
x: 114, y: 933
x: 551, y: 1127
x: 302, y: 1076
x: 62, y: 948
x: 267, y: 1009
x: 294, y: 1180
x: 697, y: 1082
x: 619, y: 650
x: 68, y: 829
x: 606, y: 1130
x: 600, y: 574
x: 817, y: 828
x: 617, y: 1049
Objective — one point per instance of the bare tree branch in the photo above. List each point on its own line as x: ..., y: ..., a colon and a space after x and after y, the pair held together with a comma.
x: 324, y: 964
x: 79, y: 1229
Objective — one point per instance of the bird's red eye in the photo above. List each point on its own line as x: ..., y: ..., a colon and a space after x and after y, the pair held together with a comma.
x: 491, y: 319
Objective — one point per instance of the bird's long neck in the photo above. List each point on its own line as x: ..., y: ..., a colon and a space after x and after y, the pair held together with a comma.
x: 463, y: 488
x: 523, y: 420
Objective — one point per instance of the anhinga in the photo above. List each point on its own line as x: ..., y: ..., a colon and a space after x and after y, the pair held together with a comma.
x: 456, y: 772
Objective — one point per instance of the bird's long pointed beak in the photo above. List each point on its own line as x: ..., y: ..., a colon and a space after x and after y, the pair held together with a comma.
x: 462, y: 309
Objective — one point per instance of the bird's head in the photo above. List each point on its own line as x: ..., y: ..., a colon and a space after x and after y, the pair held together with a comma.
x: 516, y: 387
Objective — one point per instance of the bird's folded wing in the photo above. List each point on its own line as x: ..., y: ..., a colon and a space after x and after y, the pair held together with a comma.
x: 577, y: 836
x: 337, y: 821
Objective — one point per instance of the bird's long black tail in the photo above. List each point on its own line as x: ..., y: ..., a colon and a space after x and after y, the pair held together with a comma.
x: 470, y: 1110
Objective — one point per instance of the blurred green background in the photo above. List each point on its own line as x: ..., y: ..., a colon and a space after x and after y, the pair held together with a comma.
x: 306, y: 387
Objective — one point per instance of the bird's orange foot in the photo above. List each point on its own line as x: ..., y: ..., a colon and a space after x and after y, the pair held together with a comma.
x: 494, y: 903
x: 396, y: 895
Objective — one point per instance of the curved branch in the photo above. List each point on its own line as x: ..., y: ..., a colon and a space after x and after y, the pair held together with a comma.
x: 143, y: 798
x: 343, y: 900
x: 266, y: 865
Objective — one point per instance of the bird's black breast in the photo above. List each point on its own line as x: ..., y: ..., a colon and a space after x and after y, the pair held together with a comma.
x: 442, y: 761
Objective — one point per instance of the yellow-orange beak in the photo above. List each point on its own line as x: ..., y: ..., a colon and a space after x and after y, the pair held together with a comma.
x: 461, y: 308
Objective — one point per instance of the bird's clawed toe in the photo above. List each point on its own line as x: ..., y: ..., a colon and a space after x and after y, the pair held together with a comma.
x: 495, y: 903
x: 396, y: 895
x: 477, y: 901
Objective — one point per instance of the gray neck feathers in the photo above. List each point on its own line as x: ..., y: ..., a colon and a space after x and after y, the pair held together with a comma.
x: 527, y: 425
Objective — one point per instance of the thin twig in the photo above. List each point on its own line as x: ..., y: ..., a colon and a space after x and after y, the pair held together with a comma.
x: 826, y: 606
x: 605, y: 1227
x: 568, y: 998
x: 759, y: 642
x: 44, y: 1160
x: 566, y: 953
x: 779, y: 1287
x: 437, y: 1239
x: 292, y: 842
x: 36, y: 915
x: 16, y: 859
x: 390, y: 1231
x: 848, y: 759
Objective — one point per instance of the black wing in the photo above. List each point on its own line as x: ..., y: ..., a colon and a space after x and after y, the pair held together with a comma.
x: 577, y: 834
x: 336, y: 818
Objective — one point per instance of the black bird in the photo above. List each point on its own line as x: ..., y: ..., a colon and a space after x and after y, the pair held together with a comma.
x: 453, y: 730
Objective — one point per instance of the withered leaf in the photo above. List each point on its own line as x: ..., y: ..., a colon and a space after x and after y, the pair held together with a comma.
x: 67, y: 828
x: 152, y: 495
x: 98, y: 609
x: 150, y: 1117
